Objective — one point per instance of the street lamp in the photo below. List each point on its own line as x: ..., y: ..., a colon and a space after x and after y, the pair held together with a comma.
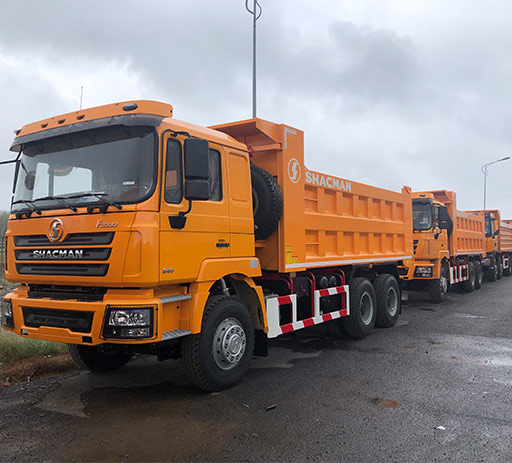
x: 485, y: 171
x: 256, y: 13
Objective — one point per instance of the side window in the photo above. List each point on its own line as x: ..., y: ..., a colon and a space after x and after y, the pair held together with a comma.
x: 215, y: 176
x: 173, y: 176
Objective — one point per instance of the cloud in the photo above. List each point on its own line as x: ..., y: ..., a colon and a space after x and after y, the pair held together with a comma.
x: 387, y: 94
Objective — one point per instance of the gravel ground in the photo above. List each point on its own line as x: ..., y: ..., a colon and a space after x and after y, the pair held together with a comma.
x: 437, y: 387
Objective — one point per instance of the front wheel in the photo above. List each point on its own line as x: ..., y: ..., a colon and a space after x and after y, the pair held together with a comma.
x: 218, y: 357
x: 103, y: 358
x: 439, y: 287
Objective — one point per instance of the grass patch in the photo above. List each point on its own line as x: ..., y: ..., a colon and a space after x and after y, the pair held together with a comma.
x: 14, y: 347
x: 22, y: 358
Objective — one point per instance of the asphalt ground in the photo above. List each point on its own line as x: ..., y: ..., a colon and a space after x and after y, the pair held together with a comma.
x: 436, y: 387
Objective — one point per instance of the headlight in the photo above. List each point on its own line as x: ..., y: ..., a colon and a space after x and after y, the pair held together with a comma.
x: 424, y: 272
x: 128, y: 322
x: 7, y: 318
x: 130, y: 317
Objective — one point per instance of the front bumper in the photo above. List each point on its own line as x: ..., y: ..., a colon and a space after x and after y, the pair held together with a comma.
x: 81, y: 322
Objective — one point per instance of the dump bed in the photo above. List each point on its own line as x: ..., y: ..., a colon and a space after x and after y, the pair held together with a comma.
x: 468, y: 236
x: 326, y: 220
x: 505, y: 237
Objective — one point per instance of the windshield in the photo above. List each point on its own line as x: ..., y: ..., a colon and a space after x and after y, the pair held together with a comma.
x: 421, y: 216
x: 114, y: 164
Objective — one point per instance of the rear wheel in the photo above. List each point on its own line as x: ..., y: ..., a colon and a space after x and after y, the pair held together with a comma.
x: 106, y: 357
x: 387, y: 294
x: 363, y: 313
x: 439, y: 287
x: 468, y: 286
x: 499, y: 266
x: 479, y: 274
x: 508, y: 271
x: 218, y: 357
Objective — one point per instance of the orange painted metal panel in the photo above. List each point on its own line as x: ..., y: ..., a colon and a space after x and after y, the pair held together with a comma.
x: 326, y: 220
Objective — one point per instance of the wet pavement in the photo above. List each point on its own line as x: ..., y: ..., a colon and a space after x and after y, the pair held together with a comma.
x: 437, y: 387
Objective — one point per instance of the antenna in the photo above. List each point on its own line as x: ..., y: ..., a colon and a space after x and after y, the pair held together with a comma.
x: 256, y: 13
x: 81, y: 95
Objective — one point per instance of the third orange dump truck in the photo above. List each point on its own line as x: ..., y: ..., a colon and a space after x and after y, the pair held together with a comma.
x: 448, y: 245
x: 498, y: 248
x: 132, y: 231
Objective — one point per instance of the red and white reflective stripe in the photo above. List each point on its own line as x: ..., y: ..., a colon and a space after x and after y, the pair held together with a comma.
x: 274, y: 303
x: 457, y: 274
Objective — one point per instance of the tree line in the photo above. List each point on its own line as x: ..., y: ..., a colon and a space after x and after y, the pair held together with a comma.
x: 4, y: 217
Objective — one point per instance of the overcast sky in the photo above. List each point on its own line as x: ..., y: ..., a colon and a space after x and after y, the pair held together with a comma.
x: 388, y: 93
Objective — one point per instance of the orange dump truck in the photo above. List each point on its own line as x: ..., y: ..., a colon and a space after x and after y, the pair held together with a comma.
x: 498, y: 248
x: 132, y: 231
x: 448, y: 245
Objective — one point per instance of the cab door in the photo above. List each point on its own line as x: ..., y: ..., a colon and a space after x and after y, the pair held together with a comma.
x: 207, y: 228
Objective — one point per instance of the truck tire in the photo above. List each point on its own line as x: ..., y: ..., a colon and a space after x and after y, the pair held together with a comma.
x: 499, y: 266
x: 468, y: 286
x: 439, y: 287
x: 267, y: 202
x: 103, y: 358
x: 363, y: 309
x: 387, y: 294
x: 218, y: 357
x: 479, y: 274
x: 492, y: 273
x: 508, y: 271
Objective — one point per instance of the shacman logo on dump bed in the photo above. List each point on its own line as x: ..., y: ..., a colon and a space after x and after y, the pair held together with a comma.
x: 327, y: 181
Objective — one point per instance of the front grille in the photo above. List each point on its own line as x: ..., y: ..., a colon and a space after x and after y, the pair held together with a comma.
x: 37, y: 255
x: 415, y: 245
x: 88, y: 270
x: 73, y: 239
x: 77, y: 293
x: 77, y: 321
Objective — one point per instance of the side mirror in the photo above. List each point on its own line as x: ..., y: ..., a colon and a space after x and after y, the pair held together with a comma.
x: 197, y: 169
x: 197, y: 153
x: 445, y: 221
x: 198, y: 190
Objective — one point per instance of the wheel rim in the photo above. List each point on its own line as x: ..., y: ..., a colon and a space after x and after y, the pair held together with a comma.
x: 392, y: 302
x: 229, y: 343
x: 366, y: 304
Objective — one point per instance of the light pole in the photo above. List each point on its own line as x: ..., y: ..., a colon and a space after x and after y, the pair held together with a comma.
x: 485, y: 171
x: 256, y: 13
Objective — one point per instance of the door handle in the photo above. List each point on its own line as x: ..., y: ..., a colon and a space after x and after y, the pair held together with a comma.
x: 222, y: 244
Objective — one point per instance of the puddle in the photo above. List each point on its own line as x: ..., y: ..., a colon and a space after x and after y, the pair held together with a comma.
x: 281, y: 358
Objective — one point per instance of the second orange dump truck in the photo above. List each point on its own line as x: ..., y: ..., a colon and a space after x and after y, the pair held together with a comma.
x: 132, y: 231
x: 449, y: 245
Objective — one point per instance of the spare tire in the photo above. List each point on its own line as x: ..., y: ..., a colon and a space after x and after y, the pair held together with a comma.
x: 267, y: 202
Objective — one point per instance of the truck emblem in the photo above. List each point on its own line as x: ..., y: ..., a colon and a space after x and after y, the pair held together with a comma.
x: 294, y: 170
x: 56, y: 230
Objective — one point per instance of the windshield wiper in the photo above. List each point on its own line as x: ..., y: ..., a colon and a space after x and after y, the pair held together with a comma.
x: 31, y: 205
x: 101, y: 197
x: 60, y: 199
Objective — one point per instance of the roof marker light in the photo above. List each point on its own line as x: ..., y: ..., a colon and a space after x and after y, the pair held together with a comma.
x: 130, y: 106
